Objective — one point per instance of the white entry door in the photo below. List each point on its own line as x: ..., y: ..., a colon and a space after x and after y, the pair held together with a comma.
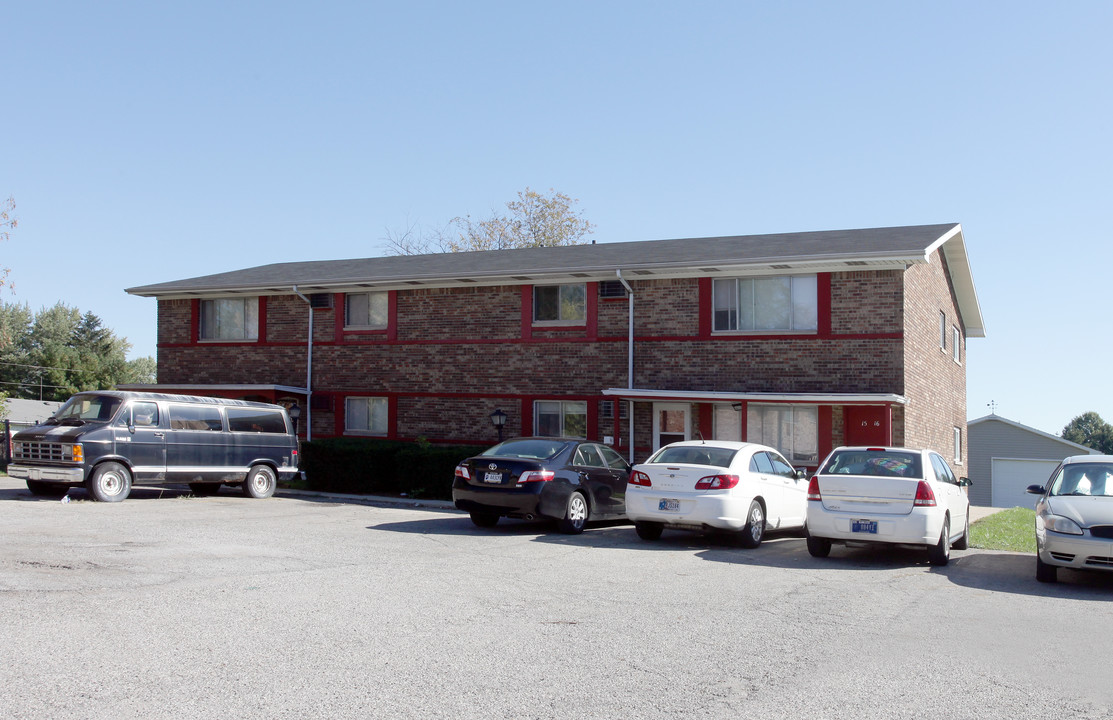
x: 672, y: 422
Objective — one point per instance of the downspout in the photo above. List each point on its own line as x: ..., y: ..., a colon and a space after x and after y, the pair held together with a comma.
x: 629, y: 356
x: 308, y: 371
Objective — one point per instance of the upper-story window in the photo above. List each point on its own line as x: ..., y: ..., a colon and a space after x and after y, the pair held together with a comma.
x: 942, y: 331
x: 365, y: 310
x: 956, y: 344
x: 560, y: 304
x: 766, y: 303
x: 230, y: 319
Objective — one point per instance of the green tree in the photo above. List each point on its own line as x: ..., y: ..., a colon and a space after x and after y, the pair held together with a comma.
x: 533, y: 220
x: 1090, y: 430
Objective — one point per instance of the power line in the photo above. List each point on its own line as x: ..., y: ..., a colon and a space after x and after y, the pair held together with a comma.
x: 40, y: 367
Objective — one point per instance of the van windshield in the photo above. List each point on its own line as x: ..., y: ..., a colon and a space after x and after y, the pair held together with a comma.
x: 81, y: 409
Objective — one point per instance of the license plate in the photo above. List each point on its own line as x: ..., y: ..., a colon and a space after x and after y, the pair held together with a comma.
x: 492, y: 477
x: 668, y: 505
x: 864, y: 526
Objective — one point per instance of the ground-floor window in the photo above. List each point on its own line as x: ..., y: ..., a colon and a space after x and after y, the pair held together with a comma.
x: 727, y: 422
x: 366, y: 415
x: 560, y: 418
x: 791, y: 429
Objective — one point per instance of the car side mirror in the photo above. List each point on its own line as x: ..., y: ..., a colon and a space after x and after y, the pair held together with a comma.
x: 1035, y: 489
x: 965, y: 482
x: 801, y: 474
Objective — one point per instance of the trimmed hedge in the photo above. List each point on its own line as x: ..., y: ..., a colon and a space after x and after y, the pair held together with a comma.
x: 383, y: 467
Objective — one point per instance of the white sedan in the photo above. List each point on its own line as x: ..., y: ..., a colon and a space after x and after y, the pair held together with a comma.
x: 1074, y: 517
x: 897, y: 496
x: 716, y: 485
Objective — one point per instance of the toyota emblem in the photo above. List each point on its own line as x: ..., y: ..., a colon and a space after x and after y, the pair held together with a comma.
x: 492, y: 466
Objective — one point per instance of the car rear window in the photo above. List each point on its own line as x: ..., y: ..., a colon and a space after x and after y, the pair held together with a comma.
x: 693, y: 455
x: 255, y: 420
x: 532, y: 449
x: 886, y: 463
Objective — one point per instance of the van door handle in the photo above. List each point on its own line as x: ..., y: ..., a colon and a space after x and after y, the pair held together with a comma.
x: 159, y: 434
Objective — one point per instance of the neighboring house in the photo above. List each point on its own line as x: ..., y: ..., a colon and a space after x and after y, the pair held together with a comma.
x: 23, y: 413
x: 1006, y: 457
x: 803, y: 341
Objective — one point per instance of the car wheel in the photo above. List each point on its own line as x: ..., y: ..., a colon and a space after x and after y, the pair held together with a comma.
x: 649, y: 530
x: 575, y: 515
x: 1046, y: 573
x: 940, y: 552
x: 484, y: 520
x: 963, y: 543
x: 818, y: 547
x: 47, y: 489
x: 110, y: 482
x: 204, y: 489
x: 754, y: 531
x: 260, y: 482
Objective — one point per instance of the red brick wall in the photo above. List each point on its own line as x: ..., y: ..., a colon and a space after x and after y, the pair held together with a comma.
x: 936, y: 388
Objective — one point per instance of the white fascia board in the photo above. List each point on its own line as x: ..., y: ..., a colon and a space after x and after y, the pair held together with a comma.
x: 175, y: 388
x: 953, y: 246
x: 757, y: 397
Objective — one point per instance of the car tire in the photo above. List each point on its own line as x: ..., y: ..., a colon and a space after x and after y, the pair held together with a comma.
x: 649, y: 530
x: 110, y: 482
x: 204, y: 489
x: 818, y: 547
x: 963, y: 543
x: 754, y: 531
x: 484, y: 519
x: 1046, y: 573
x: 260, y: 482
x: 47, y: 489
x: 575, y: 515
x: 940, y: 553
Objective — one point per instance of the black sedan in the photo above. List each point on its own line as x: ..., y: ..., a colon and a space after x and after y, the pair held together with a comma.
x: 571, y: 481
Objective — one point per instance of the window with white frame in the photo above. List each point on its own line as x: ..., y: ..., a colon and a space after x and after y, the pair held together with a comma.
x: 942, y: 330
x: 726, y: 422
x: 365, y: 310
x: 956, y: 344
x: 791, y: 429
x: 958, y: 445
x: 765, y: 303
x: 230, y: 319
x: 365, y: 415
x: 556, y: 418
x: 560, y: 304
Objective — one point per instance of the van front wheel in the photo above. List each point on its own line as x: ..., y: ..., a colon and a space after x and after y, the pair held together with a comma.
x: 260, y: 482
x: 110, y: 482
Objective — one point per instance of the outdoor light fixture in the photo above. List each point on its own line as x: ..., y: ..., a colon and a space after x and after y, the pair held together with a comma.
x: 737, y: 407
x: 498, y: 419
x: 295, y: 413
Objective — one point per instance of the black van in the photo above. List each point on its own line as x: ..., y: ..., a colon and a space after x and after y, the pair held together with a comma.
x: 107, y: 440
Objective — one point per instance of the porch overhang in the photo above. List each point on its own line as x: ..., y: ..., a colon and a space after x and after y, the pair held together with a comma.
x: 702, y: 396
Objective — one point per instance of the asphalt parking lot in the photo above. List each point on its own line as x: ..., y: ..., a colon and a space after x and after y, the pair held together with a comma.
x: 167, y: 605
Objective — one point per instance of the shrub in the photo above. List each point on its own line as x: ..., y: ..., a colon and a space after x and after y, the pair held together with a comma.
x: 368, y: 467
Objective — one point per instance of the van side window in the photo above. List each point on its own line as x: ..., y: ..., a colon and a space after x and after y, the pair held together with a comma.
x: 144, y: 414
x: 255, y: 420
x: 195, y: 417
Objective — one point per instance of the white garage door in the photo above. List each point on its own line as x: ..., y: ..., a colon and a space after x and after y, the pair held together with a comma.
x: 1012, y: 477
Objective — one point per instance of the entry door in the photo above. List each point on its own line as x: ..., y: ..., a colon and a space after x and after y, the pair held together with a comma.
x: 672, y: 422
x: 868, y: 425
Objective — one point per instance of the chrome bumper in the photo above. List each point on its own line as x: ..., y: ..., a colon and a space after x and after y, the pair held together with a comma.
x: 47, y: 474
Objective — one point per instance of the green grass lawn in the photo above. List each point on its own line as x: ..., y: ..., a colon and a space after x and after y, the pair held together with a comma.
x: 1013, y: 530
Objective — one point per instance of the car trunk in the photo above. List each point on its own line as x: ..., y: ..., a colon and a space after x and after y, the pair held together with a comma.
x: 494, y: 472
x: 868, y: 493
x: 678, y: 478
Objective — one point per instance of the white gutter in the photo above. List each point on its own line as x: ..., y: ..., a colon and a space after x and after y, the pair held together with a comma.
x: 758, y: 397
x: 629, y: 357
x: 308, y: 371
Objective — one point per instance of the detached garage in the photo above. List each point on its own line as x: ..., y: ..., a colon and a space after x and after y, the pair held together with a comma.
x: 1006, y: 457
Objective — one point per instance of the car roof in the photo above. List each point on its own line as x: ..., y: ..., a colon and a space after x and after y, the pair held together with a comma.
x: 728, y: 444
x: 1082, y: 459
x: 889, y: 448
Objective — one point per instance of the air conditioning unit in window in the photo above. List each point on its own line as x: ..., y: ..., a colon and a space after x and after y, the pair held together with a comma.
x: 320, y: 300
x: 612, y: 289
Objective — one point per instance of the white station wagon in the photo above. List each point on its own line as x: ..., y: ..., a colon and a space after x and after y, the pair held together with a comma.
x: 901, y: 496
x: 716, y: 485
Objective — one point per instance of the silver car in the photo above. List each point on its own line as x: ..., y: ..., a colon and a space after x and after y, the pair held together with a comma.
x: 1074, y: 518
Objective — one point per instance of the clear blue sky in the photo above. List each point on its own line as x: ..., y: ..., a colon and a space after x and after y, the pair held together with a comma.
x: 146, y: 142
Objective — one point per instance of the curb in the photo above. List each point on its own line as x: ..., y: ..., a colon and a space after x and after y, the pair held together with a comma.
x: 376, y: 500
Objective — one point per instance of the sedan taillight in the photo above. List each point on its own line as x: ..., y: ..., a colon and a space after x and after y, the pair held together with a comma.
x: 924, y: 496
x: 639, y: 478
x: 462, y: 472
x: 717, y: 482
x: 536, y: 476
x: 813, y: 489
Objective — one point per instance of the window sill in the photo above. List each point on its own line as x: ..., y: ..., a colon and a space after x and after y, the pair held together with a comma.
x: 364, y: 433
x: 227, y: 341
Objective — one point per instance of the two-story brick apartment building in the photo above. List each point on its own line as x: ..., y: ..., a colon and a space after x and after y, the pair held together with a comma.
x: 803, y: 341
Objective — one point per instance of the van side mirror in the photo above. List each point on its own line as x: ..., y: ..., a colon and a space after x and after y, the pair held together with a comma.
x: 1035, y: 489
